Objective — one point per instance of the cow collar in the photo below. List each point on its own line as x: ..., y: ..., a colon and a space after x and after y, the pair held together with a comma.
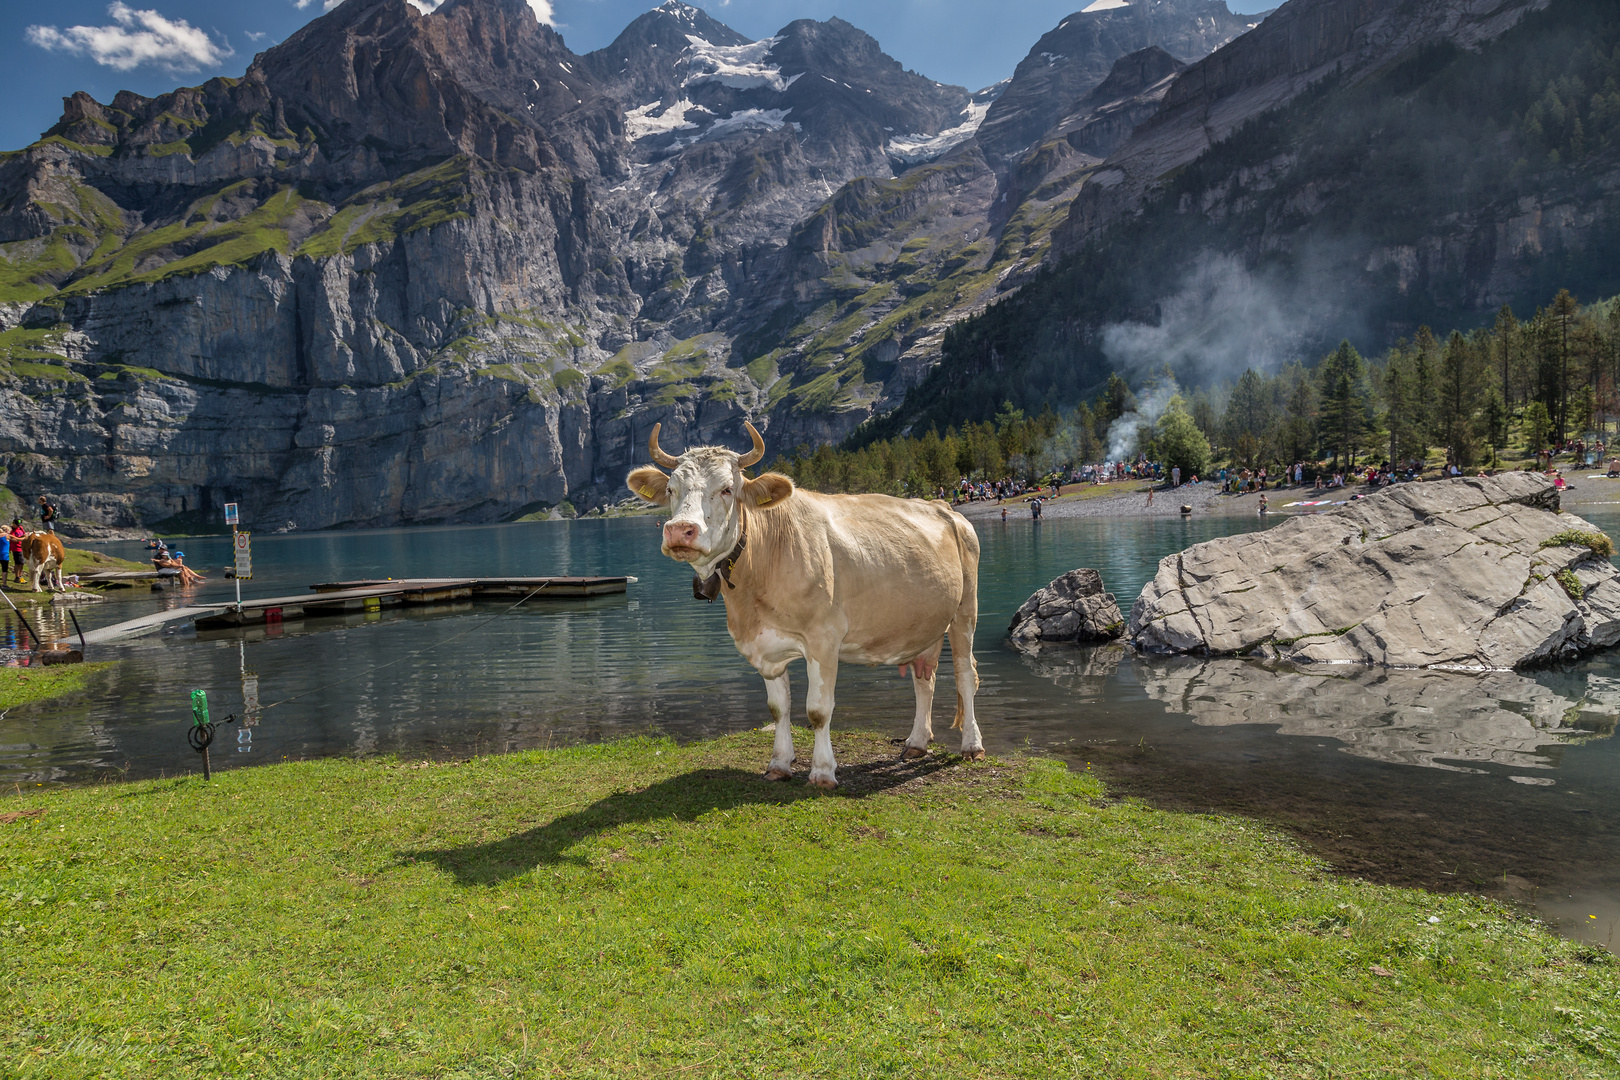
x: 708, y: 588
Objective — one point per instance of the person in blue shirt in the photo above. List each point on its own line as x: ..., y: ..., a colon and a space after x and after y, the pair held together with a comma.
x: 5, y: 552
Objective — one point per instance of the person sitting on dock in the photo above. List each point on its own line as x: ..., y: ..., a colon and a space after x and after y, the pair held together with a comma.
x: 166, y: 560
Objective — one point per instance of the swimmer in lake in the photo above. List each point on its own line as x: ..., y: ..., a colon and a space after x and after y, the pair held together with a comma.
x: 1264, y: 509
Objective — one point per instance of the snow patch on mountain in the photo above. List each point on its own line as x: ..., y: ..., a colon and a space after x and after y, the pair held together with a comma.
x: 916, y: 148
x: 1103, y: 5
x: 741, y: 67
x: 654, y: 119
x: 743, y: 119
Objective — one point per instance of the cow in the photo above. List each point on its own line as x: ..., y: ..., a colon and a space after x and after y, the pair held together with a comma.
x: 44, y: 554
x: 864, y: 579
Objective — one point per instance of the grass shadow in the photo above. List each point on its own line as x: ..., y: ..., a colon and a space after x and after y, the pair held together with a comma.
x: 685, y: 797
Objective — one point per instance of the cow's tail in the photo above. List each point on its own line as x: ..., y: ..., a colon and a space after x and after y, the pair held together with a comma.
x: 967, y: 612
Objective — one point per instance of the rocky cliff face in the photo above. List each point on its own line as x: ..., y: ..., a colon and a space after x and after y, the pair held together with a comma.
x: 1348, y: 169
x: 416, y: 268
x: 1306, y: 42
x: 1070, y: 61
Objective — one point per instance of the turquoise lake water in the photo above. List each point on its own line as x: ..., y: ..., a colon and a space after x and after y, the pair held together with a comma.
x: 1440, y: 776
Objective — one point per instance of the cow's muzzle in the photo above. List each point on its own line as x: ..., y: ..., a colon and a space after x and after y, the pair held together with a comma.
x: 681, y: 541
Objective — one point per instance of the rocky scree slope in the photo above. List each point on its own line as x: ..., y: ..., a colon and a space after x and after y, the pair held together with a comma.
x: 415, y: 268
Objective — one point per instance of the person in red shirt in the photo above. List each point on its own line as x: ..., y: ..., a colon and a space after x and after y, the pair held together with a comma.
x: 17, y: 533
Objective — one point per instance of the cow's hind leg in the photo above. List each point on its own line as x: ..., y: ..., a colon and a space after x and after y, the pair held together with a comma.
x: 776, y: 694
x: 823, y: 676
x: 922, y: 727
x: 966, y: 670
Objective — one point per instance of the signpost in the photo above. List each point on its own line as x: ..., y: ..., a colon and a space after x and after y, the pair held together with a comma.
x: 242, y: 545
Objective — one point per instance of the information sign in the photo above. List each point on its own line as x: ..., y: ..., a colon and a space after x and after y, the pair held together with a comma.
x: 244, y: 556
x: 230, y: 514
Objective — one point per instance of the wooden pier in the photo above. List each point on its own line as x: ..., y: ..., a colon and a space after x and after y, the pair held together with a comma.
x: 348, y: 597
x: 344, y: 597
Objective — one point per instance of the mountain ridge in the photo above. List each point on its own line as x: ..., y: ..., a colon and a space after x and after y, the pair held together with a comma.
x: 416, y: 268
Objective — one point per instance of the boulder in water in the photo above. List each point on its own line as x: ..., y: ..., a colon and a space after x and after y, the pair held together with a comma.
x: 1075, y: 607
x: 1474, y: 573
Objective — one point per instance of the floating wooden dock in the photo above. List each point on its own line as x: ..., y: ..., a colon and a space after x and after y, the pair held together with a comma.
x: 344, y: 597
x: 338, y: 598
x: 106, y: 577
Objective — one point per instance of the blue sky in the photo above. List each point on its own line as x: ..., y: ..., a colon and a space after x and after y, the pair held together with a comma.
x: 49, y: 50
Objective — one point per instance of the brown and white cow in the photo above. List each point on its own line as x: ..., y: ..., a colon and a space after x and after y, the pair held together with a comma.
x: 863, y: 579
x: 44, y: 554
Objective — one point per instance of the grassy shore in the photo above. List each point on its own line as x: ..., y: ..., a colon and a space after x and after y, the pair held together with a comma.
x: 80, y: 561
x: 19, y: 686
x: 648, y: 909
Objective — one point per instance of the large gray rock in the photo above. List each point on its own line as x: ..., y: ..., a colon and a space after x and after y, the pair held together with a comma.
x: 1459, y: 573
x: 1075, y: 607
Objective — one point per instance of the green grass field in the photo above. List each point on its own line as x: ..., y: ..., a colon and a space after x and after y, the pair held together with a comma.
x: 647, y: 909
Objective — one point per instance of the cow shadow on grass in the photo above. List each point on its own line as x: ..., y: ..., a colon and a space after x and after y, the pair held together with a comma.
x: 686, y: 797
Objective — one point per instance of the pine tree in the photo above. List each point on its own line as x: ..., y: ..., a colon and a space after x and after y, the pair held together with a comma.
x: 1405, y: 427
x: 1425, y: 392
x: 1507, y: 342
x: 1347, y: 408
x: 1250, y: 409
x: 1459, y: 399
x: 1562, y: 316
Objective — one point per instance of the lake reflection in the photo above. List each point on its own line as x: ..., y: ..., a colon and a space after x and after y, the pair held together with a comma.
x: 1436, y: 719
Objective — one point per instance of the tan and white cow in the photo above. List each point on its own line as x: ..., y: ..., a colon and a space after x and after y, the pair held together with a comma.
x: 863, y: 579
x: 44, y: 554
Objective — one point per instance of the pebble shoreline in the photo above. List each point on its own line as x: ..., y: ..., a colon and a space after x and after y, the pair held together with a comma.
x: 1130, y: 501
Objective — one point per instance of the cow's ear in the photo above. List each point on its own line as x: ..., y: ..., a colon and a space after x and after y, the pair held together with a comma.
x: 768, y: 490
x: 650, y: 484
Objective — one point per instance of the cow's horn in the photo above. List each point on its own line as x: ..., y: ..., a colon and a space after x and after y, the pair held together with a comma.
x: 756, y: 453
x: 658, y: 455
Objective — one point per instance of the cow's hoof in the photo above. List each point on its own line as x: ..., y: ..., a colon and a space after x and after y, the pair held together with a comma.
x: 912, y: 752
x: 973, y: 755
x: 825, y: 783
x: 773, y: 773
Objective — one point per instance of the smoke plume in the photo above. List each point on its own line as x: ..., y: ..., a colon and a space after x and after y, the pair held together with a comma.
x: 1222, y: 320
x: 1125, y: 434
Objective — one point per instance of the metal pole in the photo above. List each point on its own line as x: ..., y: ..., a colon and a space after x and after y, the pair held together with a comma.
x: 238, y: 581
x: 38, y: 641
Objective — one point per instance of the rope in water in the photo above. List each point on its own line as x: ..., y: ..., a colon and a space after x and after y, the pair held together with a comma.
x: 407, y: 656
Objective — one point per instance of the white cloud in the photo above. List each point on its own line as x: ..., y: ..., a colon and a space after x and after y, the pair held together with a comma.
x: 542, y: 8
x: 136, y: 37
x: 256, y: 35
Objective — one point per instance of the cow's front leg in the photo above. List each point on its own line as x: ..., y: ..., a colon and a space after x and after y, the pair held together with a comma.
x: 777, y: 696
x: 823, y: 676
